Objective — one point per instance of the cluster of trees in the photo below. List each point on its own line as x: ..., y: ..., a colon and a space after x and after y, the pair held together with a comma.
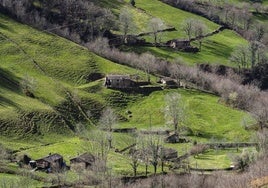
x: 254, y: 53
x: 238, y: 18
x: 254, y: 167
x: 83, y: 21
x: 194, y: 28
x: 149, y: 151
x: 78, y: 20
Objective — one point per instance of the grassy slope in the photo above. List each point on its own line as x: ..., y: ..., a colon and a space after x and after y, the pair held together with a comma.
x: 7, y: 180
x: 65, y: 66
x: 223, y: 42
x: 201, y: 116
x: 217, y: 158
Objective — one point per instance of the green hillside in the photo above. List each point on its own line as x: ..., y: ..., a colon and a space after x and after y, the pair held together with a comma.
x: 52, y: 68
x: 49, y: 85
x: 201, y: 119
x: 216, y: 49
x: 56, y: 67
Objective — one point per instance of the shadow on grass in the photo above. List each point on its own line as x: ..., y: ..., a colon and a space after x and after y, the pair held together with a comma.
x: 166, y: 54
x: 203, y: 157
x: 218, y: 49
x: 6, y: 102
x: 109, y: 4
x: 5, y: 27
x: 9, y: 81
x: 261, y: 16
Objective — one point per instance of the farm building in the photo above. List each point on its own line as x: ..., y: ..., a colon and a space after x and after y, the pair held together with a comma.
x: 174, y: 138
x: 52, y: 162
x: 119, y: 81
x: 168, y: 81
x: 179, y: 44
x: 169, y: 153
x: 86, y: 160
x: 182, y: 45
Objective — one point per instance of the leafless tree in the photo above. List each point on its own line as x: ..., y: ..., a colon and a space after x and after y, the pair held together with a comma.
x: 243, y: 161
x: 262, y: 140
x: 162, y: 158
x: 126, y: 22
x: 199, y: 29
x: 175, y: 109
x: 101, y: 172
x: 240, y: 56
x: 256, y: 52
x: 257, y: 6
x: 154, y: 146
x: 92, y: 11
x: 260, y: 112
x: 175, y: 70
x: 188, y: 26
x: 97, y: 144
x: 134, y: 160
x: 145, y: 154
x: 245, y: 16
x: 147, y: 63
x: 226, y: 9
x: 107, y: 121
x: 105, y: 22
x: 155, y: 25
x: 233, y: 16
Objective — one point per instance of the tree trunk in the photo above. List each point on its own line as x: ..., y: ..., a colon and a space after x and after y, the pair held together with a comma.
x: 155, y: 167
x: 110, y: 143
x: 135, y: 172
x: 175, y: 127
x: 200, y: 45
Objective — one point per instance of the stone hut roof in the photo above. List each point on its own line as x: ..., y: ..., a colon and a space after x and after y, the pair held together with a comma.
x: 118, y: 77
x: 51, y: 158
x: 169, y: 153
x: 167, y: 79
x: 86, y: 158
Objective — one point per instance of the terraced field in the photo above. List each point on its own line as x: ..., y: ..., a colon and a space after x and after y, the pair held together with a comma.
x: 51, y: 67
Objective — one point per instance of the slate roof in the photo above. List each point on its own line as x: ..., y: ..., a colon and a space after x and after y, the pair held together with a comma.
x: 118, y: 77
x: 51, y: 158
x: 86, y: 157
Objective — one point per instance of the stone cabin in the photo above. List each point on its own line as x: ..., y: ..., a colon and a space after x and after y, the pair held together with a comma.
x: 86, y: 160
x: 119, y: 81
x: 52, y: 162
x: 167, y: 81
x: 175, y: 138
x: 169, y: 153
x: 179, y: 44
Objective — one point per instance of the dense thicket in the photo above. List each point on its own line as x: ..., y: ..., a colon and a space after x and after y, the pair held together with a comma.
x: 238, y: 18
x: 78, y: 20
